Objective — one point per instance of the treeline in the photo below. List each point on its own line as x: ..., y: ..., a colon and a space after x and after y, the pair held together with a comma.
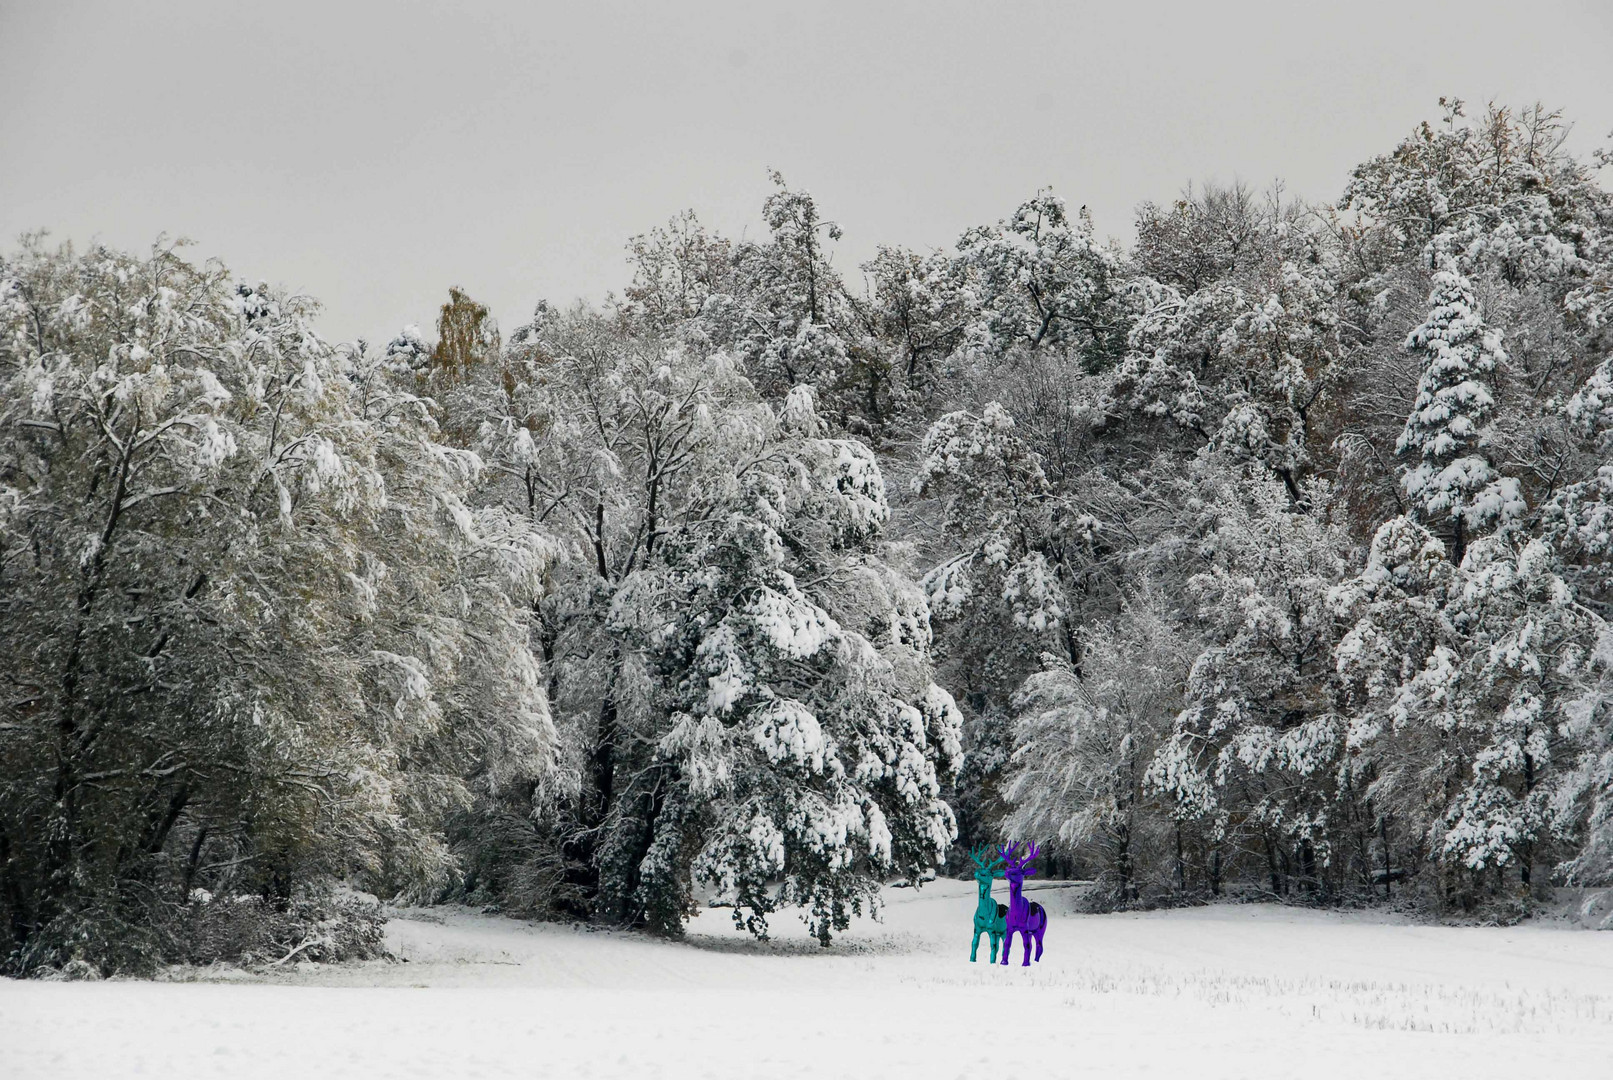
x: 1269, y: 554
x: 1304, y: 590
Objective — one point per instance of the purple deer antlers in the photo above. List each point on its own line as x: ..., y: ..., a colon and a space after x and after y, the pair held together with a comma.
x: 1024, y: 918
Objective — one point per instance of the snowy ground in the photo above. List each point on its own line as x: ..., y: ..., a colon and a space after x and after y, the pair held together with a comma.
x: 1235, y: 991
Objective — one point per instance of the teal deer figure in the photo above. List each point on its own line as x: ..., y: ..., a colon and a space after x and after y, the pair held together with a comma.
x: 989, y: 915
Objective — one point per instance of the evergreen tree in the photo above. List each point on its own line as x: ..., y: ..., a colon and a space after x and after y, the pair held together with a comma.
x: 1457, y: 678
x: 805, y: 744
x: 1448, y: 425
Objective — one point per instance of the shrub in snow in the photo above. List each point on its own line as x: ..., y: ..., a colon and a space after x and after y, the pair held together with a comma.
x: 325, y: 925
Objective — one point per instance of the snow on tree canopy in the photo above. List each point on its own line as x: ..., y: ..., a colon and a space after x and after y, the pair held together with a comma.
x: 318, y: 640
x: 1453, y: 409
x: 806, y: 758
x: 1450, y: 672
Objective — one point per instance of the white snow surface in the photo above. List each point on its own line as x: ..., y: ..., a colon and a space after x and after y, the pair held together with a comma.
x: 1225, y: 991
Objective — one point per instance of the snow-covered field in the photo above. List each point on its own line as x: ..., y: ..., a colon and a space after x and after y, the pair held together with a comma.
x: 1233, y: 991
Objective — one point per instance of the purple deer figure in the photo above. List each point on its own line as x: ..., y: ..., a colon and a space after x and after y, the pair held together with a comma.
x: 1024, y: 918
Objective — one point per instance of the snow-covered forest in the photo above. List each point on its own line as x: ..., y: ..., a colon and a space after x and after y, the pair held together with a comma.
x: 1270, y: 554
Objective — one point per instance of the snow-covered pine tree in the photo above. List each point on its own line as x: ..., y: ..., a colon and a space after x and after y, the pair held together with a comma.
x: 1457, y: 679
x: 807, y: 743
x: 1582, y: 802
x: 1527, y: 647
x: 1579, y: 517
x: 1455, y: 479
x: 611, y: 434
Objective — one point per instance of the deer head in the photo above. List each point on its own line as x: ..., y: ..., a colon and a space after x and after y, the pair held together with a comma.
x: 1018, y: 866
x: 986, y: 867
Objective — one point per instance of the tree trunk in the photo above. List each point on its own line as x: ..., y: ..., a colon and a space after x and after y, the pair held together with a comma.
x: 1388, y: 866
x: 192, y: 863
x: 1123, y: 870
x: 1271, y: 864
x: 20, y: 927
x: 595, y: 801
x: 1181, y: 868
x: 654, y: 802
x: 1307, y: 866
x: 1526, y: 850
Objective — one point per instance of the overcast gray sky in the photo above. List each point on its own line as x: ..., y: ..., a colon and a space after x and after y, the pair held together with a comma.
x: 374, y: 153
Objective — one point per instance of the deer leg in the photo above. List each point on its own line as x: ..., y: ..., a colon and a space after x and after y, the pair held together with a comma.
x: 1039, y: 942
x: 974, y: 947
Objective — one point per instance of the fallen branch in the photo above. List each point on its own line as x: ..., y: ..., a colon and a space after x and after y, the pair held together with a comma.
x: 300, y: 948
